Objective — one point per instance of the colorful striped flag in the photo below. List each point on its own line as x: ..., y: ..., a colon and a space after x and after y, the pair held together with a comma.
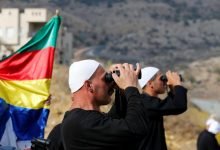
x: 25, y: 78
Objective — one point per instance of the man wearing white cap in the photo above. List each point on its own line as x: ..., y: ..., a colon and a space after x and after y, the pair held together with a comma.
x: 206, y: 139
x: 85, y: 127
x: 153, y: 85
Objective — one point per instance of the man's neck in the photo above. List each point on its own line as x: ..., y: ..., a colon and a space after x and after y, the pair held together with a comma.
x: 84, y: 104
x: 84, y: 107
x: 150, y: 92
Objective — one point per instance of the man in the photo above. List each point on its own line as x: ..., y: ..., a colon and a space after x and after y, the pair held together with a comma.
x: 85, y: 127
x: 153, y: 85
x: 207, y: 139
x: 54, y: 138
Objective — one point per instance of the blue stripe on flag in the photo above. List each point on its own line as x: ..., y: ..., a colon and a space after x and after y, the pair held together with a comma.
x: 27, y: 123
x: 4, y: 116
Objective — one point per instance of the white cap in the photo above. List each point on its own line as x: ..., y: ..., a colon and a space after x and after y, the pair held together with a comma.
x: 213, y: 126
x: 146, y: 74
x: 81, y: 71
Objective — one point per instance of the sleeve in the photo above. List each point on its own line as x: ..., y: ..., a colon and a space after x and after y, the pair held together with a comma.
x: 175, y: 103
x: 55, y: 139
x: 119, y: 107
x: 133, y: 114
x: 137, y: 116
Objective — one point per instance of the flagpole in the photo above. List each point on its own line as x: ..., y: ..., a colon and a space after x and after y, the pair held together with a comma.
x: 57, y: 12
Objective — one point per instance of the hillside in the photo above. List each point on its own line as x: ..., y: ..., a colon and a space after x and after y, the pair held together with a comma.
x: 166, y: 33
x: 203, y: 78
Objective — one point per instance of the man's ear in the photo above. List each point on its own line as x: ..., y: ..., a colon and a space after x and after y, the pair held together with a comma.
x: 89, y: 86
x: 150, y: 84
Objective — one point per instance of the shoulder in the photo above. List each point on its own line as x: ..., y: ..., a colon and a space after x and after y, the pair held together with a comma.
x: 147, y: 98
x: 55, y: 132
x: 79, y: 122
x: 80, y: 117
x: 180, y: 88
x: 206, y: 136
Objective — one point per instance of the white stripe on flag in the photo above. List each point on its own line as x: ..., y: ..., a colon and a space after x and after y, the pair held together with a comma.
x: 9, y: 138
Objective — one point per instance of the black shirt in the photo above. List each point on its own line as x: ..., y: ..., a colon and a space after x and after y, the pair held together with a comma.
x: 155, y: 108
x: 207, y: 141
x: 141, y: 128
x: 55, y: 139
x: 93, y: 130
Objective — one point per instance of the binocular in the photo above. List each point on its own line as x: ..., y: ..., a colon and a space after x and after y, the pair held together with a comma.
x: 164, y: 78
x: 109, y: 78
x: 40, y: 144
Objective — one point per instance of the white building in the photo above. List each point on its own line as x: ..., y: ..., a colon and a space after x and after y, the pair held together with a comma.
x: 18, y: 26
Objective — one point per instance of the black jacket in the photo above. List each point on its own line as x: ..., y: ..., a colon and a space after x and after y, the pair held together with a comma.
x: 141, y: 127
x: 154, y: 110
x: 93, y: 130
x: 207, y: 141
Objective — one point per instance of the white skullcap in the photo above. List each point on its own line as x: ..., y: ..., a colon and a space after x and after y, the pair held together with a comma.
x: 81, y: 71
x: 146, y: 74
x: 213, y: 126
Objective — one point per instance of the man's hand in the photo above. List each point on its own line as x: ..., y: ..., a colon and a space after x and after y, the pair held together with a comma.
x: 48, y: 101
x: 128, y: 76
x: 173, y: 78
x: 113, y: 67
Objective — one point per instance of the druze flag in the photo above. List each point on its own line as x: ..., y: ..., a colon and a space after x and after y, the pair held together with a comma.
x: 25, y: 79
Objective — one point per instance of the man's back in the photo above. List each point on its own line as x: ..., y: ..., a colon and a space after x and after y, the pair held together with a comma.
x: 90, y: 129
x: 85, y: 127
x: 207, y: 141
x: 55, y: 138
x: 155, y: 109
x: 155, y: 138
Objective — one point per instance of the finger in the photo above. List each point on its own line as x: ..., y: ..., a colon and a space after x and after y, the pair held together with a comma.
x: 121, y: 69
x: 113, y: 67
x: 175, y: 73
x: 177, y: 76
x: 168, y: 73
x: 138, y: 68
x: 126, y: 66
x: 115, y: 77
x: 131, y: 67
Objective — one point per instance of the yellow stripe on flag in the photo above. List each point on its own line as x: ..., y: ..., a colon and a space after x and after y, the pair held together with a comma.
x: 25, y: 93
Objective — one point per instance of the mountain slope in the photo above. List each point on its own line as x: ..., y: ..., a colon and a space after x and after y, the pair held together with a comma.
x: 165, y: 33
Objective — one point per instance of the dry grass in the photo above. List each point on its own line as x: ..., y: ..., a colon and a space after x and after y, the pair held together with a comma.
x: 182, y: 130
x: 60, y: 97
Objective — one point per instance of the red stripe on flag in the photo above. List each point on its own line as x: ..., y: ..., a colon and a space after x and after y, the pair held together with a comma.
x: 31, y: 65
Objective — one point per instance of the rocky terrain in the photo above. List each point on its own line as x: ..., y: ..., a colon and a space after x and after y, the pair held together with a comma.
x: 166, y: 33
x: 204, y: 76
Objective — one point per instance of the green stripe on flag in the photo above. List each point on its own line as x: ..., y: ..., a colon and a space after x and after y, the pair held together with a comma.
x: 45, y: 37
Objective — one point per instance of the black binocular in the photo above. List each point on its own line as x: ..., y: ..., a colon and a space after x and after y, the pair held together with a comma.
x: 109, y: 78
x: 40, y: 144
x: 164, y: 78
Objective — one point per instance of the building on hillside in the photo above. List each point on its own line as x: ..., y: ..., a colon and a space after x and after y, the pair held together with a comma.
x: 65, y: 46
x: 18, y: 26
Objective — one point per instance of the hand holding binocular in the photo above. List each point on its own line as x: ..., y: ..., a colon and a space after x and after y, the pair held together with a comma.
x: 109, y: 78
x: 164, y: 78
